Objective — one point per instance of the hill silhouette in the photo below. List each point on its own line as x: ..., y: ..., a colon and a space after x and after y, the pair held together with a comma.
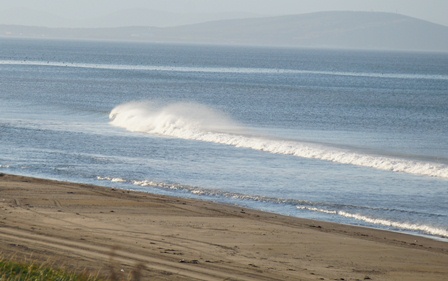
x: 343, y: 30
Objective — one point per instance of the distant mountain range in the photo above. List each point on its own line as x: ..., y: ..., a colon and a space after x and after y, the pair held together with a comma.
x: 127, y: 17
x: 342, y: 30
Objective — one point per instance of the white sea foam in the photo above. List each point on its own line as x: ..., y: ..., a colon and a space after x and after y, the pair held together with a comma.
x: 236, y: 70
x: 207, y: 192
x: 384, y: 222
x: 299, y: 204
x: 198, y: 122
x: 111, y: 179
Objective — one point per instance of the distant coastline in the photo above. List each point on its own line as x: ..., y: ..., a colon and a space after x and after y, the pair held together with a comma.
x: 334, y: 30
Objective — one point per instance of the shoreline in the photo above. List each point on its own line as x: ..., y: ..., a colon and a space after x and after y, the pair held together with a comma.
x: 172, y: 238
x: 112, y: 186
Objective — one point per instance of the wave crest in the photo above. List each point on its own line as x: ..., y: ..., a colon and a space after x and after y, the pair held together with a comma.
x: 183, y: 120
x: 198, y: 122
x: 384, y: 222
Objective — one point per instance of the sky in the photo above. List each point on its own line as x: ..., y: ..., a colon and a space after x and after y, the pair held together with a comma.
x: 430, y: 10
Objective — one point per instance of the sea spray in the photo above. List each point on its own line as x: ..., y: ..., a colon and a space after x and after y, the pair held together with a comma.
x: 182, y: 120
x: 198, y: 122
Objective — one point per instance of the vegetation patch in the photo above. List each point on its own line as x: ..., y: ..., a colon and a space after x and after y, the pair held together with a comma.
x: 22, y: 271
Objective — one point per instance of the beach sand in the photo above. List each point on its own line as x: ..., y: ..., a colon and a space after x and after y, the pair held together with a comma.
x: 166, y: 238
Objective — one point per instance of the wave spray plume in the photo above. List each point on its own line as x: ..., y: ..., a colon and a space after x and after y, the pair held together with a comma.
x: 198, y: 122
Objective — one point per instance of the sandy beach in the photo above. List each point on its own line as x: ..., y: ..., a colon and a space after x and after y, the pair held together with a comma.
x: 166, y: 238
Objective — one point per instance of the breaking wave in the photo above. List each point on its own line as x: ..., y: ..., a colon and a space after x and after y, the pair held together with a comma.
x: 198, y: 122
x: 383, y: 222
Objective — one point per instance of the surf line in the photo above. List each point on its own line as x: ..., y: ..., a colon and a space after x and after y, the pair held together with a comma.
x: 222, y: 70
x: 198, y: 122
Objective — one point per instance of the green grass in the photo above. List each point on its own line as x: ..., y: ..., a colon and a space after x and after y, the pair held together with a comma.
x: 22, y: 271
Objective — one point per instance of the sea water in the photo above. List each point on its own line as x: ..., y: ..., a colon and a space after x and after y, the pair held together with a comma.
x: 352, y: 137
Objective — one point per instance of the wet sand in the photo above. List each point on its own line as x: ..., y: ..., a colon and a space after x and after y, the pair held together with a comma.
x: 166, y: 238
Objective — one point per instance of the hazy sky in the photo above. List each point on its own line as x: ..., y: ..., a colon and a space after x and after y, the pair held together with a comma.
x: 431, y: 10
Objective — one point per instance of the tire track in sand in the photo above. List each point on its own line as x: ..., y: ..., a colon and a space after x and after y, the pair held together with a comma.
x: 104, y: 253
x: 58, y: 204
x: 16, y: 202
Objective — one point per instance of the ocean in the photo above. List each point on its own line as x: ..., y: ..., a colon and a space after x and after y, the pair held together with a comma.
x: 352, y: 137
